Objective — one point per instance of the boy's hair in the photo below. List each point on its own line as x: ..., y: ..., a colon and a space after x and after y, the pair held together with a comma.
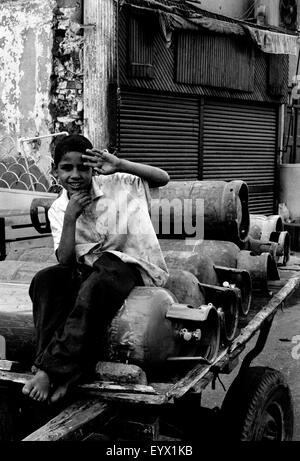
x: 74, y: 142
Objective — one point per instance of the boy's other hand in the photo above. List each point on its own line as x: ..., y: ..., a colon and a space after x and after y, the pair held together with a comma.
x: 101, y: 161
x: 77, y: 203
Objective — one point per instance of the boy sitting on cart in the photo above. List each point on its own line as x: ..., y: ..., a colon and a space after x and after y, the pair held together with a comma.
x: 105, y: 245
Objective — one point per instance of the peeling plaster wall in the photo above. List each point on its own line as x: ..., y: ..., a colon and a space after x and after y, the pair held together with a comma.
x: 232, y: 8
x: 26, y: 42
x: 67, y: 85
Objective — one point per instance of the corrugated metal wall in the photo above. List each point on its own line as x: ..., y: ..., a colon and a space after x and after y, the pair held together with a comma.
x: 161, y: 130
x: 239, y: 142
x: 232, y: 136
x: 229, y: 140
x: 215, y: 60
x: 164, y: 66
x: 140, y: 49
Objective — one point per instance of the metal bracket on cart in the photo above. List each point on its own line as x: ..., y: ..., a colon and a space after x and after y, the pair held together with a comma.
x: 260, y: 343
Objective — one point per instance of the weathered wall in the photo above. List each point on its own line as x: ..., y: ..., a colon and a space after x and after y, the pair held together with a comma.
x: 67, y: 79
x: 232, y: 8
x: 99, y: 69
x: 25, y: 67
x: 41, y: 72
x: 271, y: 11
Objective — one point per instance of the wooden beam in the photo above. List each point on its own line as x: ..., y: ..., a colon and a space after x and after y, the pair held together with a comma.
x: 255, y: 324
x: 106, y: 392
x: 192, y: 378
x: 68, y: 424
x: 98, y: 387
x: 130, y: 398
x: 18, y: 378
x: 289, y: 268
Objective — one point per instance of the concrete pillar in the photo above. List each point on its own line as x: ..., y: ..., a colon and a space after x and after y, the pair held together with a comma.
x: 99, y: 67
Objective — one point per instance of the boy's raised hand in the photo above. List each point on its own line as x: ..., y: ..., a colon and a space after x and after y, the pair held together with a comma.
x: 77, y: 203
x: 101, y: 161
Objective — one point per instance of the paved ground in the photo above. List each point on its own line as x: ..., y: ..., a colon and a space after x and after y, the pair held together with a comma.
x: 277, y: 353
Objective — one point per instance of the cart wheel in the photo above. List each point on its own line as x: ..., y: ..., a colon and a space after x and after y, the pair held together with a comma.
x: 258, y: 406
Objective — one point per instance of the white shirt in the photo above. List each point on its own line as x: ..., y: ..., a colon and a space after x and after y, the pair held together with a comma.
x: 116, y: 221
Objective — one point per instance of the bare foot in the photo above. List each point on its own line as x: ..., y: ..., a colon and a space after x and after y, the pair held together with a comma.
x: 38, y: 387
x: 59, y: 392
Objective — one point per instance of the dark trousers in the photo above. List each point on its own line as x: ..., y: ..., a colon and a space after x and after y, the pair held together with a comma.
x: 72, y: 307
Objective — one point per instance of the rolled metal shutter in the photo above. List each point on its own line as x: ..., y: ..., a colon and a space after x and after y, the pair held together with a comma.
x: 239, y: 142
x: 162, y: 131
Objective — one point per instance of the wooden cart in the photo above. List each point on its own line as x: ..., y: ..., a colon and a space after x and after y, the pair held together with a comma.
x: 257, y: 405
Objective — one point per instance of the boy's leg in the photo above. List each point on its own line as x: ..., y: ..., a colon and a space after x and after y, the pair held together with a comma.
x: 100, y: 296
x: 53, y: 292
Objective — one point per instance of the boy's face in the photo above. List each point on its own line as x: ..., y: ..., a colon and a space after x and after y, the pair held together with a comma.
x: 73, y: 174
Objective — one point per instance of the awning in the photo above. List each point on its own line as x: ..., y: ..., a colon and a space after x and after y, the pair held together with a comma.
x: 171, y: 18
x: 273, y: 42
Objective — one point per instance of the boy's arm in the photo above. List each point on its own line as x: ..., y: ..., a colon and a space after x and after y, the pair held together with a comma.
x: 66, y: 249
x: 65, y: 252
x: 156, y: 177
x: 105, y: 163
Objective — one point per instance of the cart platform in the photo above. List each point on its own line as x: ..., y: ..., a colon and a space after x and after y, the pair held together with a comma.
x: 98, y: 401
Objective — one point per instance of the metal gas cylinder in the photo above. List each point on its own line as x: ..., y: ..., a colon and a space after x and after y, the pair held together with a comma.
x: 188, y: 290
x: 258, y: 246
x: 262, y: 268
x: 152, y: 327
x: 278, y: 246
x: 224, y: 205
x: 283, y: 240
x: 221, y: 252
x: 229, y: 300
x: 201, y: 266
x: 261, y: 226
x: 214, y: 262
x: 185, y: 287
